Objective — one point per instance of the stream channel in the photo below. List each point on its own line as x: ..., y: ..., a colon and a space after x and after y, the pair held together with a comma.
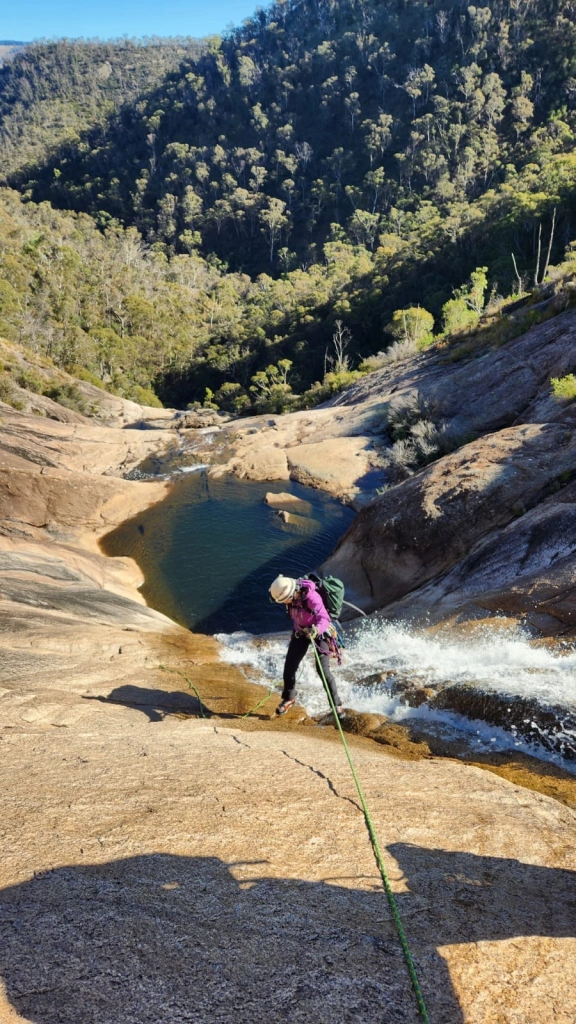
x: 209, y: 552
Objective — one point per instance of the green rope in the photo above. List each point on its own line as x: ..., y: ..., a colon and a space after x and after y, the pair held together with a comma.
x: 378, y: 855
x: 201, y: 702
x: 259, y: 704
x: 190, y: 684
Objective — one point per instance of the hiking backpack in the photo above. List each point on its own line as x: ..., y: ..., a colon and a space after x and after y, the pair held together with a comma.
x: 332, y: 591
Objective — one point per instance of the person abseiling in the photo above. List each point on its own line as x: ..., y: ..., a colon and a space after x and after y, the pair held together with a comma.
x: 311, y: 624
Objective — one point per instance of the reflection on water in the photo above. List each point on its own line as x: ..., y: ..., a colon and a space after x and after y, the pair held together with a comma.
x: 210, y: 550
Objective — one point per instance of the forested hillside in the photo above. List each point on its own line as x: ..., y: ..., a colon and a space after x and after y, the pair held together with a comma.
x: 8, y: 48
x: 52, y: 92
x: 104, y: 306
x: 327, y: 162
x: 383, y: 118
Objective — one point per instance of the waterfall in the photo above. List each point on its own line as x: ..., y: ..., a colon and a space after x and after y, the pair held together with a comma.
x: 523, y: 681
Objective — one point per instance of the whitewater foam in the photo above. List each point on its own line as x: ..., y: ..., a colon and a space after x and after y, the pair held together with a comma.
x: 502, y: 663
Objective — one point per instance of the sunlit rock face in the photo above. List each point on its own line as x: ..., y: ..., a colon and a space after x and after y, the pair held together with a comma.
x: 210, y: 861
x: 453, y: 514
x: 490, y: 527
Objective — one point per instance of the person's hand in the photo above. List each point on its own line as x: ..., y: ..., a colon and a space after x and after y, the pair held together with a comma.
x: 311, y: 632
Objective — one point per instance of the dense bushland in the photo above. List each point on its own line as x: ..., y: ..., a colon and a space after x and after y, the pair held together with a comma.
x: 390, y: 168
x: 50, y: 92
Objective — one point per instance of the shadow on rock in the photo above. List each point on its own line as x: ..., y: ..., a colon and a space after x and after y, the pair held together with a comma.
x: 162, y: 939
x: 486, y: 898
x: 156, y: 704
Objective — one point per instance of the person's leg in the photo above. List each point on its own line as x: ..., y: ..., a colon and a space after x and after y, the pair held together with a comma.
x: 296, y: 650
x: 324, y: 652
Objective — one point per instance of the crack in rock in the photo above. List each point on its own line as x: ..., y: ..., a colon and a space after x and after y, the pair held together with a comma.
x: 232, y: 737
x: 325, y: 778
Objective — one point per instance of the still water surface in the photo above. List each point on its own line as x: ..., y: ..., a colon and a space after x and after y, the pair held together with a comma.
x: 210, y: 550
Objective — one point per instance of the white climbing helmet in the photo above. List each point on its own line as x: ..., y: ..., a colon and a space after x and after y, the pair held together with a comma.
x: 282, y: 590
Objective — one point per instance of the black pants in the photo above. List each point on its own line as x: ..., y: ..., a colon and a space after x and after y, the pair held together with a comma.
x: 296, y: 650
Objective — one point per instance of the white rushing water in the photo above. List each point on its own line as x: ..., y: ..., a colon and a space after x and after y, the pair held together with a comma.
x: 495, y: 661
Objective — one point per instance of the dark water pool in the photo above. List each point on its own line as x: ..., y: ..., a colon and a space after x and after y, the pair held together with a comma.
x: 210, y: 550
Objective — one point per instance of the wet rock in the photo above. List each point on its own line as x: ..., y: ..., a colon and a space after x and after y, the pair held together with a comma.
x: 196, y: 419
x: 375, y: 678
x: 378, y: 728
x: 552, y: 726
x: 298, y: 524
x: 288, y: 502
x: 361, y: 723
x: 418, y: 695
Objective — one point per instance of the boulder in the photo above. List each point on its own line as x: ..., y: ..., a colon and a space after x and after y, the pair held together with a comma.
x: 298, y: 524
x: 423, y: 527
x: 335, y: 465
x: 288, y: 502
x: 264, y: 463
x: 526, y: 571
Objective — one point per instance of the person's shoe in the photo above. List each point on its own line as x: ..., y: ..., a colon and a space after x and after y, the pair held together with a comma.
x: 285, y: 706
x: 340, y: 711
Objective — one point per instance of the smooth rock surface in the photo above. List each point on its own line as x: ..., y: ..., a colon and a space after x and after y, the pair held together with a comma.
x: 332, y: 465
x: 288, y: 502
x: 517, y: 448
x: 166, y: 860
x: 260, y: 464
x: 423, y: 527
x: 168, y: 869
x: 527, y: 569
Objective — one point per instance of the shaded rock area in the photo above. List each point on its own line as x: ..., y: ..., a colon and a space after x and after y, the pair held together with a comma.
x: 527, y: 570
x: 438, y: 518
x: 487, y: 529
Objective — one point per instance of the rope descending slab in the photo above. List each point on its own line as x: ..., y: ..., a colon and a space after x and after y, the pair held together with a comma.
x: 378, y: 856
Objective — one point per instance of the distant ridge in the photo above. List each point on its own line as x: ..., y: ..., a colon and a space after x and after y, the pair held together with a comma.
x: 8, y: 49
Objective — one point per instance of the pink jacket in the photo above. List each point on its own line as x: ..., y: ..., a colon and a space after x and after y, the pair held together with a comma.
x: 309, y: 609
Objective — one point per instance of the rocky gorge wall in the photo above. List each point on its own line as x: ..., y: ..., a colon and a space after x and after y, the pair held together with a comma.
x: 166, y: 860
x: 485, y: 528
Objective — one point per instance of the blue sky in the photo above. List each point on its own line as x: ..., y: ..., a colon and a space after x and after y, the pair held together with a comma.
x: 35, y: 19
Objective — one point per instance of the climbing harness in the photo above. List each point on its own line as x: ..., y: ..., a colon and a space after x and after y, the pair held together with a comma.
x: 377, y: 855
